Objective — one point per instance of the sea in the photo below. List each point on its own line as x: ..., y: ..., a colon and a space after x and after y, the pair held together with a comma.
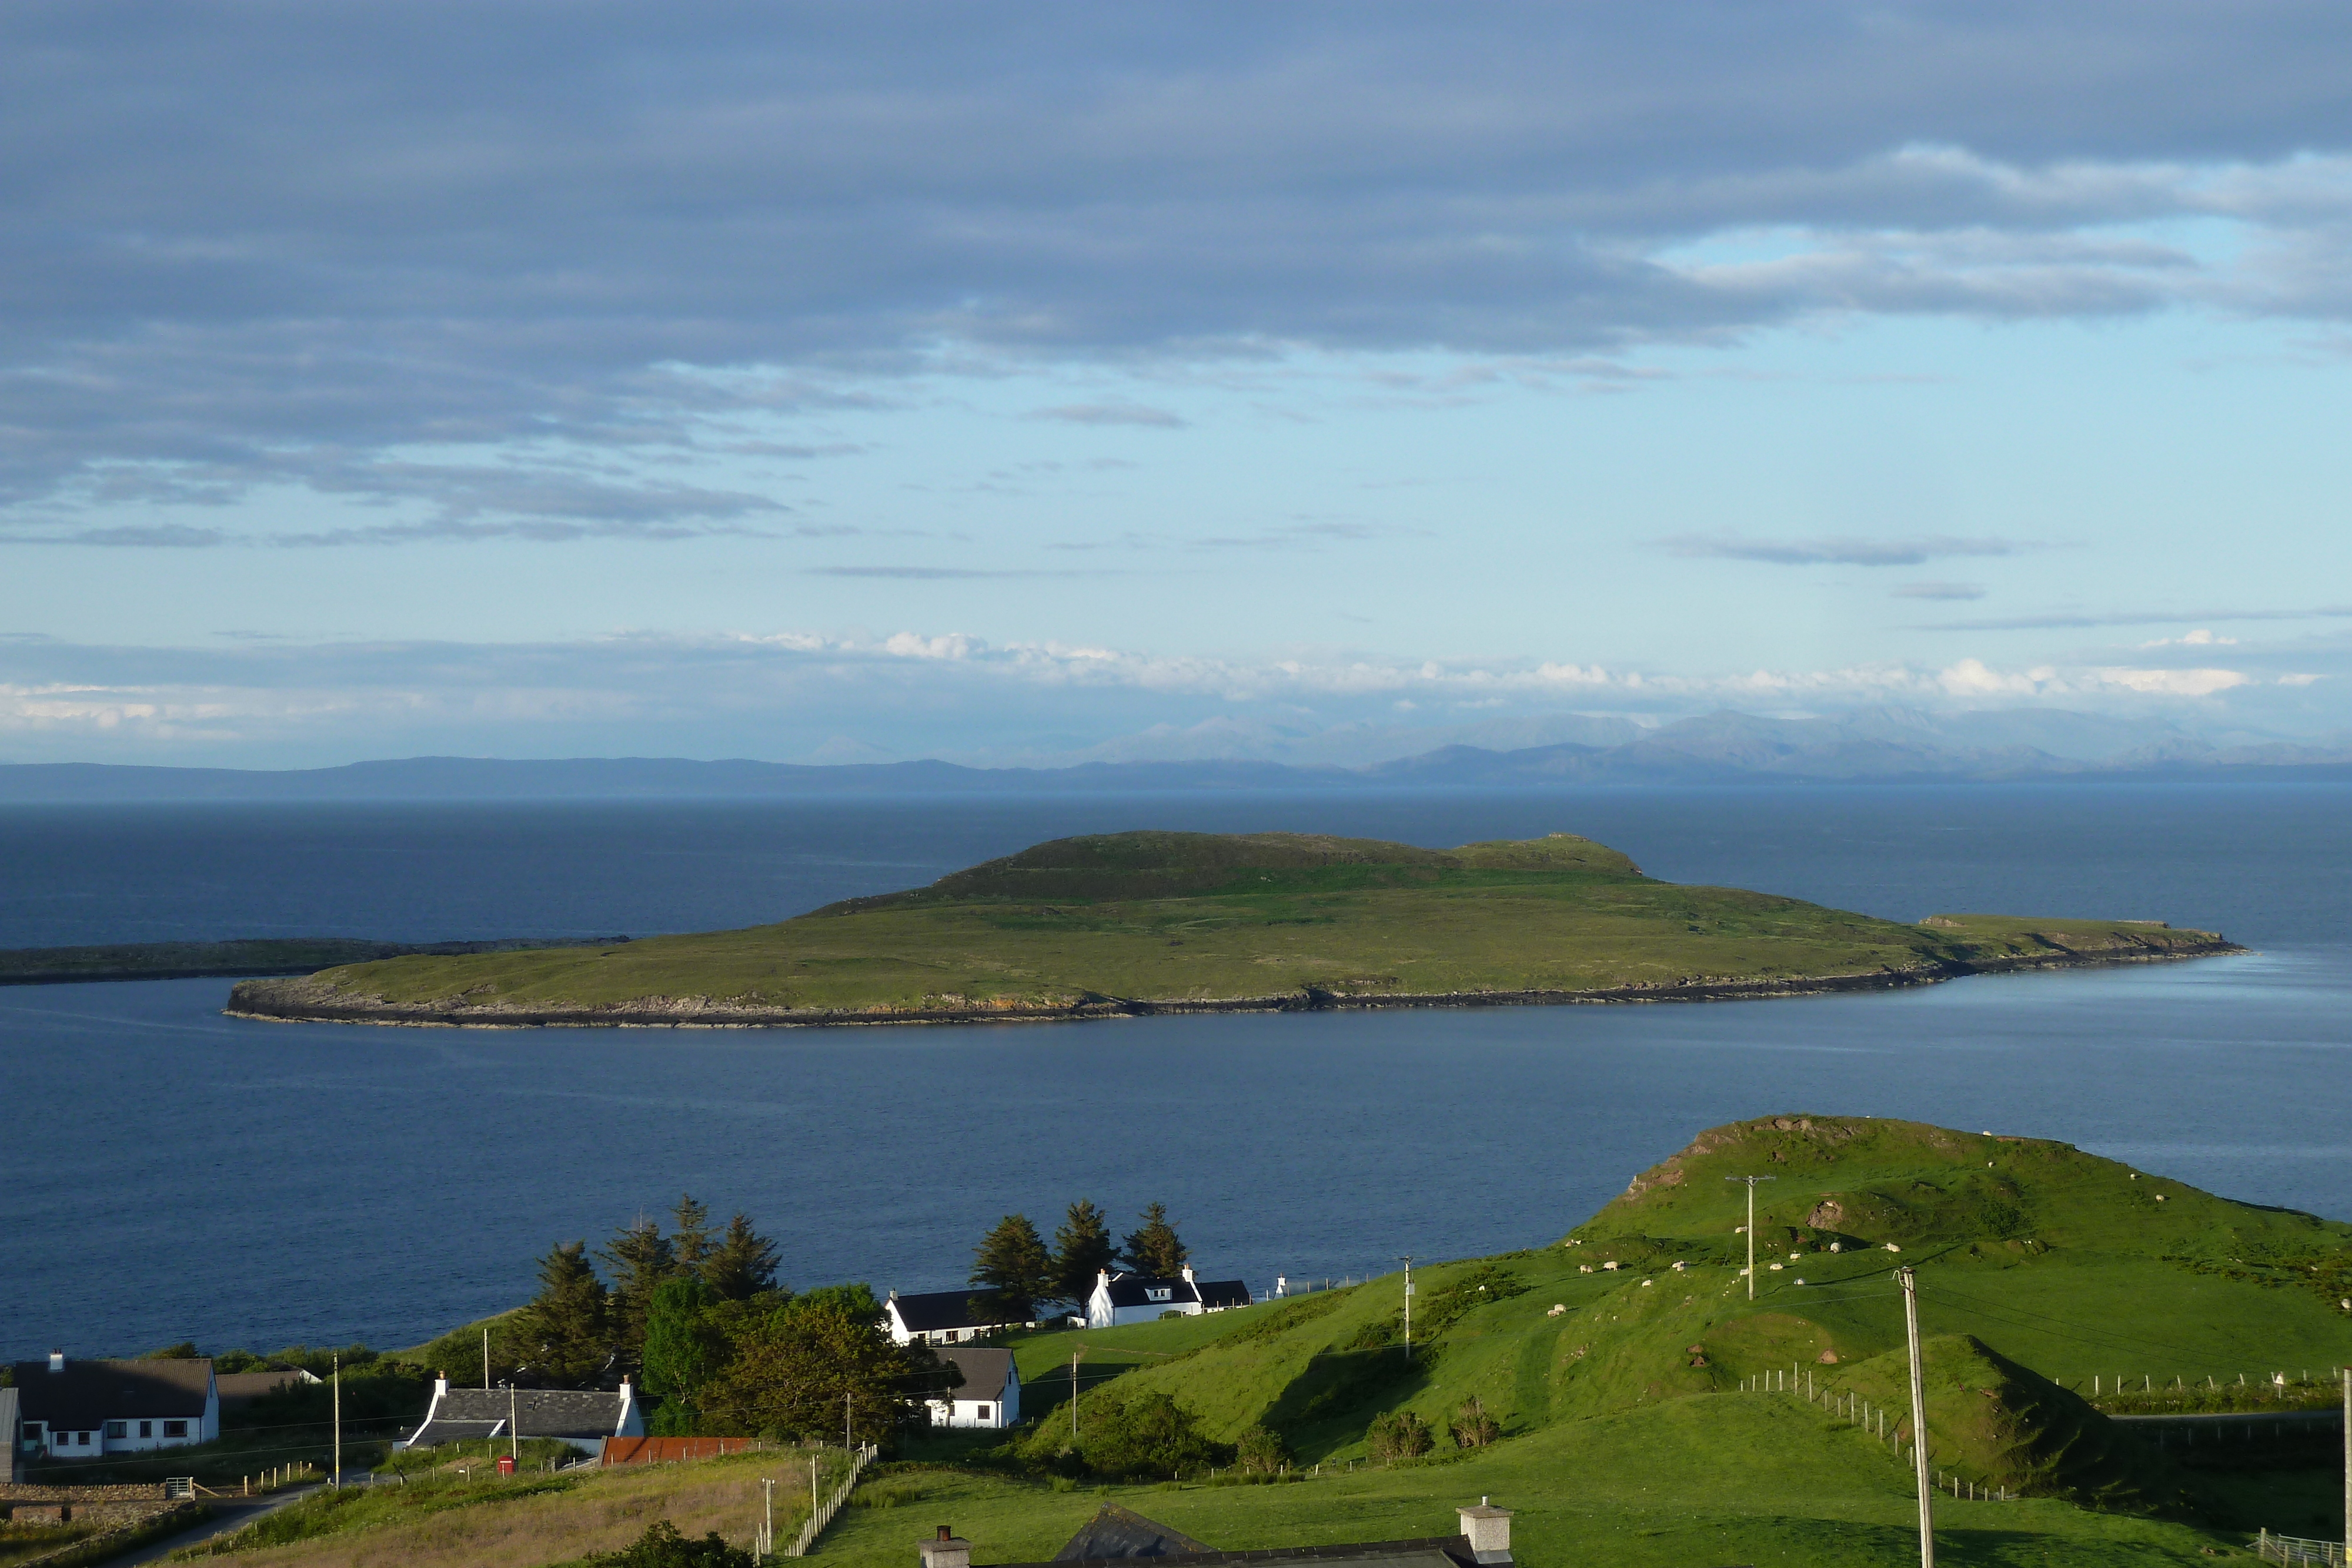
x: 168, y: 1174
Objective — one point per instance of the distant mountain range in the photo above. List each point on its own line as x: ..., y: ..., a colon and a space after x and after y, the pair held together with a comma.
x: 1886, y: 746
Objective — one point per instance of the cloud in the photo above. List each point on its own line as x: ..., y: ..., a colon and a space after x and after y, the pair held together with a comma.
x: 1842, y: 551
x: 2077, y: 620
x: 936, y: 573
x: 1937, y: 590
x: 2174, y: 683
x: 241, y: 239
x: 1111, y: 414
x: 2197, y: 639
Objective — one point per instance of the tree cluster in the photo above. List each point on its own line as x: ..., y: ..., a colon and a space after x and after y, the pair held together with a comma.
x: 720, y: 1347
x: 1022, y: 1275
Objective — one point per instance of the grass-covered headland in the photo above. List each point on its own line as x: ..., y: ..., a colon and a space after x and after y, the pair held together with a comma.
x: 1155, y: 922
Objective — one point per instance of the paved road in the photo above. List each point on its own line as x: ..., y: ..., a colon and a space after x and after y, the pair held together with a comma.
x: 228, y: 1514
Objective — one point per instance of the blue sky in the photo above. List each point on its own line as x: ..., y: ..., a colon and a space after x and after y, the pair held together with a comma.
x: 824, y: 382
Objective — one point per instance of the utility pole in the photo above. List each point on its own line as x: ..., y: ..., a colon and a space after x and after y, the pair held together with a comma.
x: 845, y: 1425
x: 486, y: 1361
x: 1751, y: 1182
x: 514, y: 1427
x: 1408, y: 1306
x: 1918, y: 1419
x: 339, y: 1423
x: 2347, y: 1457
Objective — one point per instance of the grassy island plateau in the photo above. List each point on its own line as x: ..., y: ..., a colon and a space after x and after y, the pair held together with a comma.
x: 1136, y: 922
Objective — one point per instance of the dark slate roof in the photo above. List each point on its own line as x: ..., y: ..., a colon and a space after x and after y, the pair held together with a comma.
x: 433, y: 1434
x: 1134, y: 1291
x: 1115, y: 1532
x: 539, y: 1413
x: 1222, y: 1293
x: 90, y: 1392
x: 1436, y: 1552
x: 937, y: 1310
x: 986, y: 1370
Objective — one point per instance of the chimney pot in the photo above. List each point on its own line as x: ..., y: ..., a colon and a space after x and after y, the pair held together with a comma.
x: 946, y: 1551
x: 1488, y: 1531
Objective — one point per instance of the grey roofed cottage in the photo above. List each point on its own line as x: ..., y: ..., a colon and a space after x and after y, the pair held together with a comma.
x: 990, y: 1395
x: 1121, y: 1299
x: 1115, y: 1535
x: 582, y: 1418
x: 946, y: 1317
x: 80, y: 1409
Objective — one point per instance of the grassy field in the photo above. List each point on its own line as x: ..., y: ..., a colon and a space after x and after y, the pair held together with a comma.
x: 1191, y: 918
x: 1649, y: 1415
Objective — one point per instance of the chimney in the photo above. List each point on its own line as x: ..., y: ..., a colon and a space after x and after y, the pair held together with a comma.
x: 1488, y: 1529
x: 440, y: 1385
x: 947, y: 1550
x: 56, y: 1361
x: 1188, y: 1273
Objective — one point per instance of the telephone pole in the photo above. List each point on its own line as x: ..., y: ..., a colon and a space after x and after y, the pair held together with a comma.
x: 486, y: 1361
x: 1408, y: 1306
x: 1918, y: 1419
x: 1751, y: 1182
x: 339, y: 1423
x: 514, y: 1427
x: 2348, y: 1457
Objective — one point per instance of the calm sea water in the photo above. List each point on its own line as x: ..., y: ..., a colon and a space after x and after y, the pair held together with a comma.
x: 174, y: 1173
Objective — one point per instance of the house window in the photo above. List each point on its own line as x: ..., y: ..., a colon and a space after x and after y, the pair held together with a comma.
x: 146, y: 1428
x: 118, y: 1428
x: 984, y: 1412
x: 175, y: 1428
x: 33, y: 1430
x: 81, y: 1439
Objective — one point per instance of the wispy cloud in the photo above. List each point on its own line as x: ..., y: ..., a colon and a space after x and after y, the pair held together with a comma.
x: 1111, y: 414
x: 2062, y: 620
x: 1938, y: 590
x: 2201, y: 638
x: 1841, y: 550
x: 940, y: 574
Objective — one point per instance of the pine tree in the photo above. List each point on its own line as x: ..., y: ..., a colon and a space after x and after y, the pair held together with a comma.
x: 639, y: 1259
x: 564, y: 1328
x: 1012, y: 1262
x: 1082, y: 1250
x: 741, y: 1265
x: 689, y: 1241
x: 1152, y: 1247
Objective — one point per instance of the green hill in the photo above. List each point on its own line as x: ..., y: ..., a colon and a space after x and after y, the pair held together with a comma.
x: 1157, y: 921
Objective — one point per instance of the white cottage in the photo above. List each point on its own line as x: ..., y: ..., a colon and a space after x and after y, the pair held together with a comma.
x: 1141, y: 1299
x: 991, y: 1393
x: 946, y: 1317
x: 81, y: 1409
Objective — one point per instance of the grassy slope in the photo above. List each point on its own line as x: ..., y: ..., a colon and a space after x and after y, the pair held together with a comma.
x: 1173, y: 916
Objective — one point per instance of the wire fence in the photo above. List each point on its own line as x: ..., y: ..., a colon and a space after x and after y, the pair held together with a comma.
x: 1890, y: 1428
x: 2296, y: 1549
x: 817, y: 1521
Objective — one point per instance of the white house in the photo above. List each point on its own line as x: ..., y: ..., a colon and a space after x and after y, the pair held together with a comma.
x: 583, y: 1418
x: 1141, y: 1299
x: 80, y: 1409
x: 946, y: 1317
x: 991, y: 1394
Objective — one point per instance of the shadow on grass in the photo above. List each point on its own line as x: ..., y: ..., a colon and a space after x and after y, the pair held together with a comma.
x: 1328, y: 1406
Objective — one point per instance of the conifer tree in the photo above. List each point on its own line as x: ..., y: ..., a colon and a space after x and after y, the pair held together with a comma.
x: 1152, y: 1247
x: 565, y: 1334
x: 639, y: 1259
x: 741, y: 1265
x: 689, y: 1241
x: 1012, y: 1262
x: 1082, y: 1250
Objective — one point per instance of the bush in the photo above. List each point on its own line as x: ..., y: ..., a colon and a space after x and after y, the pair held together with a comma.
x: 1397, y: 1435
x: 1261, y: 1451
x: 1473, y: 1428
x: 1150, y: 1436
x: 662, y: 1546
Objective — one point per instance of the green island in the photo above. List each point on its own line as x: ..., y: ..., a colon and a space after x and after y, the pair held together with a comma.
x: 2120, y: 1370
x: 1158, y: 922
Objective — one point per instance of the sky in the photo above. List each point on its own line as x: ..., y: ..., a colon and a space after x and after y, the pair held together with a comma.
x: 829, y: 383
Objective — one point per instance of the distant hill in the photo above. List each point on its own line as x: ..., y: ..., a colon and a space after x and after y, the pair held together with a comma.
x: 1882, y: 746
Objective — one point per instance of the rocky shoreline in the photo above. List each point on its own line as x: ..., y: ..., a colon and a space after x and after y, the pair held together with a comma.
x: 298, y: 1000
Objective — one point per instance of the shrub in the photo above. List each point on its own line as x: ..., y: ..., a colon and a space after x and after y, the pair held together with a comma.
x: 1473, y: 1428
x: 662, y: 1546
x: 1148, y: 1435
x: 1397, y: 1435
x: 1261, y: 1450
